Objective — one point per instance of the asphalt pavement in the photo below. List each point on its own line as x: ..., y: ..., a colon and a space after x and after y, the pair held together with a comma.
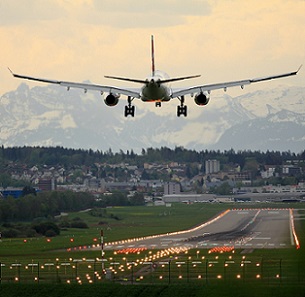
x: 238, y: 228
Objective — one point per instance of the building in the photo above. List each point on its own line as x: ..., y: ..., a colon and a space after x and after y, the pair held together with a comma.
x: 188, y: 198
x: 291, y: 170
x: 172, y: 188
x: 13, y: 192
x: 212, y: 166
x: 47, y: 184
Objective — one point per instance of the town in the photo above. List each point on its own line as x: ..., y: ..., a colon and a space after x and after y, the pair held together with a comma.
x: 157, y: 174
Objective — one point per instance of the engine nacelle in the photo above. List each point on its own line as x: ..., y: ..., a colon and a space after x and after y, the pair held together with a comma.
x: 202, y: 99
x: 112, y: 99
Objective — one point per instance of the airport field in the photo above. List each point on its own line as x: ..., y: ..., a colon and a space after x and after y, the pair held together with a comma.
x: 30, y: 266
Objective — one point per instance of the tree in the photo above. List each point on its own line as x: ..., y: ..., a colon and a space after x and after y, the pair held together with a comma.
x: 223, y: 189
x: 145, y: 175
x: 5, y: 180
x: 137, y: 199
x: 47, y: 227
x: 28, y: 190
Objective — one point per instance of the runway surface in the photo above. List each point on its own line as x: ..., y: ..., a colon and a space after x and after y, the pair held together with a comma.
x: 240, y: 228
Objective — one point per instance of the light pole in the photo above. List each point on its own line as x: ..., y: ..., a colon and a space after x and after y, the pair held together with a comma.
x: 102, y: 248
x: 38, y: 273
x: 280, y: 270
x: 187, y: 270
x: 169, y: 272
x: 224, y: 269
x: 206, y: 271
x: 57, y: 271
x: 132, y: 264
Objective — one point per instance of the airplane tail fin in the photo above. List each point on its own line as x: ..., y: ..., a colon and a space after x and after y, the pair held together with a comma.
x: 152, y: 71
x: 152, y: 56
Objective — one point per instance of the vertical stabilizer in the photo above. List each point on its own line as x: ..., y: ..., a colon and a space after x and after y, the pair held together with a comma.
x: 152, y: 56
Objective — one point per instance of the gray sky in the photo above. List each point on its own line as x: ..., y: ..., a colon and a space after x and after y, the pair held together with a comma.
x: 222, y: 40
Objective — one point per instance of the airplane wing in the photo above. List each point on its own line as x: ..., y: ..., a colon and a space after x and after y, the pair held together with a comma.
x: 85, y: 86
x: 225, y: 85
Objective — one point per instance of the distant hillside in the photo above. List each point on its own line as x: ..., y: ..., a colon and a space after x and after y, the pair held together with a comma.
x: 51, y: 116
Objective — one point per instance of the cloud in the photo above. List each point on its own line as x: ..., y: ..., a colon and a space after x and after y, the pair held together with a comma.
x: 144, y: 14
x: 85, y: 39
x: 110, y: 13
x: 14, y: 12
x: 160, y: 7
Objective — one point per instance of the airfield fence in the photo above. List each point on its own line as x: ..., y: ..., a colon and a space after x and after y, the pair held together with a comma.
x: 168, y: 271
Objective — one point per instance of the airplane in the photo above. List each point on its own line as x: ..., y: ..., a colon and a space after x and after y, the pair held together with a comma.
x: 155, y: 88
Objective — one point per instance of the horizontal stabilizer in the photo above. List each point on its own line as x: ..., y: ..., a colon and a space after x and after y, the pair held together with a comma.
x: 127, y: 79
x: 162, y: 81
x: 179, y: 78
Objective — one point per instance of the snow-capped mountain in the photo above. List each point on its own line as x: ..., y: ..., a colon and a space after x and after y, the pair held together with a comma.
x: 49, y: 116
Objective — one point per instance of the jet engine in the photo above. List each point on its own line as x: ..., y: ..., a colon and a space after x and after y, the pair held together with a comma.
x: 112, y: 99
x: 202, y: 99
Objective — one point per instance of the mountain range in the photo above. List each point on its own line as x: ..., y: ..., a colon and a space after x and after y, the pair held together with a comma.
x: 269, y: 119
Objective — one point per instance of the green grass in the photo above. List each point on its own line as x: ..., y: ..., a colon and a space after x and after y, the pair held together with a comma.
x: 133, y: 222
x: 281, y: 271
x: 221, y: 290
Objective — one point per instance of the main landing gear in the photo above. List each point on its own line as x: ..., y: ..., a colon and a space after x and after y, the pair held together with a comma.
x: 129, y: 109
x: 181, y: 109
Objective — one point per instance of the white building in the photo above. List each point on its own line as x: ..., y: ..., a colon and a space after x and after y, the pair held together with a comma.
x: 212, y: 166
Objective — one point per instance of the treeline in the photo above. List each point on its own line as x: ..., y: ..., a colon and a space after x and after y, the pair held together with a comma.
x: 43, y: 205
x: 121, y: 199
x: 47, y: 205
x: 76, y: 157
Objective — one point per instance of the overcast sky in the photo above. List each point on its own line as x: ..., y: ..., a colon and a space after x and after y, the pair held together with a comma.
x: 81, y: 40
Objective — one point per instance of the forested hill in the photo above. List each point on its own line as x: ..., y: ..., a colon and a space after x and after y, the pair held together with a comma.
x: 70, y: 157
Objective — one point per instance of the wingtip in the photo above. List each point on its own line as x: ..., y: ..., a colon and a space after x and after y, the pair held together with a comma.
x: 299, y: 68
x: 10, y: 71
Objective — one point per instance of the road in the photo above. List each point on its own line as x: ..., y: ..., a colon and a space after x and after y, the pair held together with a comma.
x: 241, y: 228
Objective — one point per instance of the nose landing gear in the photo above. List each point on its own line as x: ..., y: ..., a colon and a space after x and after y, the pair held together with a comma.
x: 158, y: 104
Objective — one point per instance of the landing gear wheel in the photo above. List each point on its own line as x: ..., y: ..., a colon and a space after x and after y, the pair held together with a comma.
x: 129, y: 110
x: 158, y: 104
x: 182, y: 110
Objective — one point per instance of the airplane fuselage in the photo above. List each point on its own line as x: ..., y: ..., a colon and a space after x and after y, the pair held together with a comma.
x: 154, y: 90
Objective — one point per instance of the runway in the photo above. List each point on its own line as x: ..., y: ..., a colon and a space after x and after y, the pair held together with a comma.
x: 238, y: 228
